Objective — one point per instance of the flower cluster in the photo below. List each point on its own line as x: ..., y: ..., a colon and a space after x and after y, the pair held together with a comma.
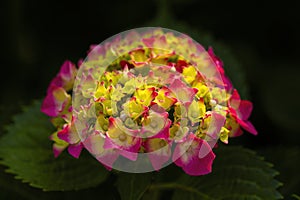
x: 164, y: 97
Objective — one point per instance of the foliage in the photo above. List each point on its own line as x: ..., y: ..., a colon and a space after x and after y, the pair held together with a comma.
x: 27, y: 151
x: 238, y: 173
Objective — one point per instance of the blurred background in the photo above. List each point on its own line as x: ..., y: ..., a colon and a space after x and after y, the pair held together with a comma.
x: 257, y: 40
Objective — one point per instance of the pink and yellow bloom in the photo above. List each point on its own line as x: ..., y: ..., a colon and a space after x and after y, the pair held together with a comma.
x: 159, y: 94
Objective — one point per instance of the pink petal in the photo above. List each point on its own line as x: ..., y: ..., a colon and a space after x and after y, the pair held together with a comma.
x: 226, y: 83
x: 247, y: 126
x: 182, y: 92
x: 245, y: 109
x: 216, y: 59
x: 128, y: 154
x: 237, y: 132
x: 69, y: 134
x: 67, y: 70
x: 94, y: 144
x: 75, y: 149
x: 235, y: 100
x: 56, y: 82
x: 218, y: 62
x: 108, y: 144
x: 65, y: 78
x: 148, y: 41
x: 95, y: 51
x: 195, y: 156
x: 157, y: 108
x: 158, y: 155
x: 162, y: 126
x: 241, y: 110
x: 49, y: 106
x: 80, y: 62
x: 165, y: 132
x: 123, y: 147
x: 217, y: 121
x: 159, y: 158
x: 55, y: 102
x: 58, y: 149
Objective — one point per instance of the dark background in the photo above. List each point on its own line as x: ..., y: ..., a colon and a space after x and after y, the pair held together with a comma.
x: 37, y: 36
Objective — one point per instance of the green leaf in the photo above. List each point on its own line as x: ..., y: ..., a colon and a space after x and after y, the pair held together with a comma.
x: 296, y: 196
x: 286, y: 160
x: 133, y: 186
x: 238, y: 173
x: 12, y: 188
x: 27, y: 152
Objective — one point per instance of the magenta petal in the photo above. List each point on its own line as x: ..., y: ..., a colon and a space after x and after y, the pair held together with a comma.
x: 55, y: 101
x: 137, y: 144
x: 159, y: 156
x: 205, y: 150
x: 65, y: 77
x: 237, y: 133
x: 165, y: 132
x: 67, y: 69
x: 69, y: 134
x: 75, y: 149
x: 202, y: 164
x: 108, y: 144
x: 127, y: 154
x: 235, y: 100
x: 80, y: 62
x: 218, y: 62
x: 58, y: 149
x: 245, y: 109
x: 49, y: 106
x: 217, y: 121
x: 56, y: 82
x: 247, y: 126
x: 195, y: 157
x: 226, y: 82
x: 241, y: 110
x: 94, y: 144
x: 216, y: 59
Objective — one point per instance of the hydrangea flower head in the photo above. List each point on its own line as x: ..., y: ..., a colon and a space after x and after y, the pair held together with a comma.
x: 144, y: 99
